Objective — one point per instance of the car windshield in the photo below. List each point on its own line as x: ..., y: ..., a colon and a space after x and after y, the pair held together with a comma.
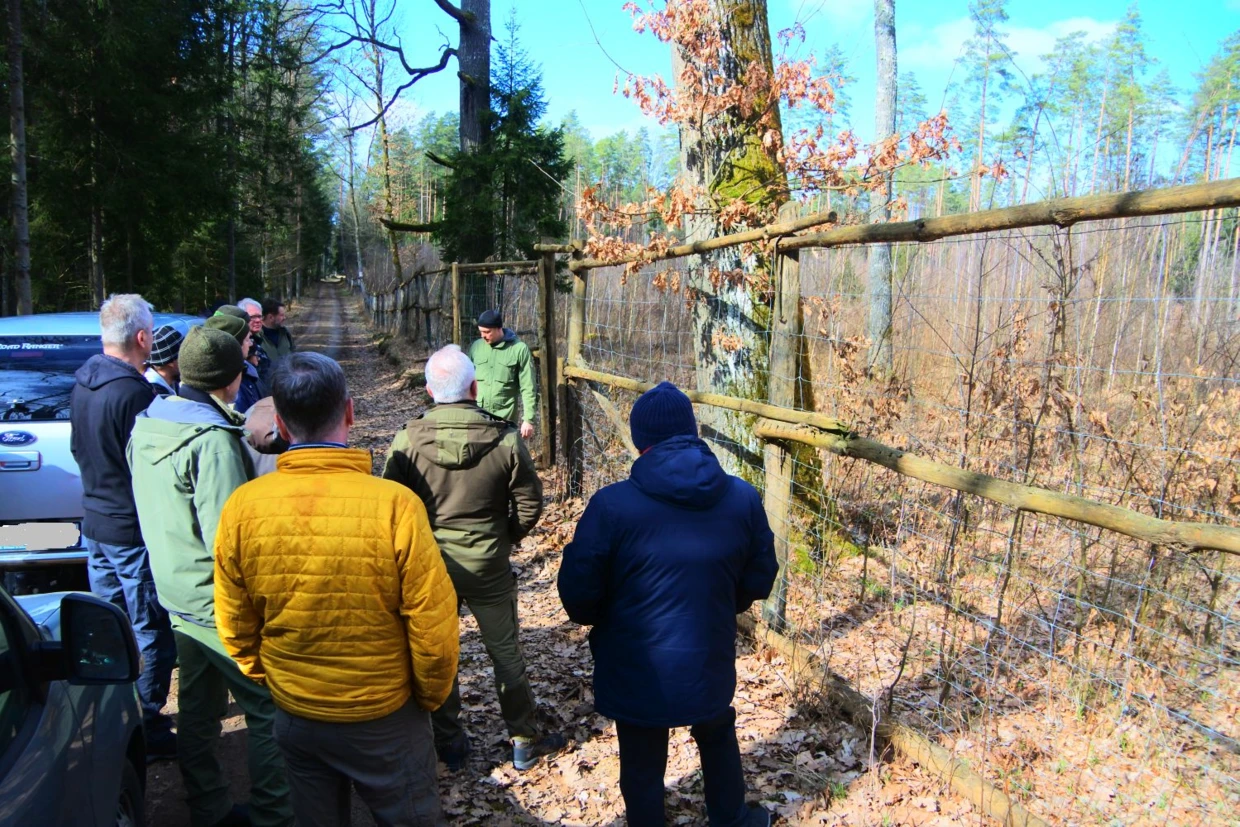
x: 36, y: 374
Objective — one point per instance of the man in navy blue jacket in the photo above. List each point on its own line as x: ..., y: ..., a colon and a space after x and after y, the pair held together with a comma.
x: 660, y: 566
x: 109, y: 394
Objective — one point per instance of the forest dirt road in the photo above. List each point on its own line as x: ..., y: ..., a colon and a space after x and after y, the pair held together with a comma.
x: 802, y: 762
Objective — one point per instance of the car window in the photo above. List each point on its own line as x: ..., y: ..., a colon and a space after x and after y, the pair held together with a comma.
x: 36, y: 374
x: 14, y: 693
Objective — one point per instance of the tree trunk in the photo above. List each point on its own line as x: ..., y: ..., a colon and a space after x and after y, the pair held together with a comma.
x: 727, y: 159
x: 879, y: 326
x: 357, y: 217
x: 1102, y: 109
x: 17, y: 143
x: 99, y: 288
x: 474, y: 62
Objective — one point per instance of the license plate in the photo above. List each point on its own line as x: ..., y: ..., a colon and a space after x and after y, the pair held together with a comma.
x: 39, y: 536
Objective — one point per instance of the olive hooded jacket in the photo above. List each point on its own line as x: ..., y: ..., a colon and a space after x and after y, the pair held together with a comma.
x: 482, y: 494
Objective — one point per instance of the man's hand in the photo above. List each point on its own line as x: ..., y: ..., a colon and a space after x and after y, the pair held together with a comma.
x: 527, y: 430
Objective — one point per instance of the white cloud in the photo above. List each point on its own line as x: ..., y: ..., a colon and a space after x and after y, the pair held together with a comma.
x: 938, y: 47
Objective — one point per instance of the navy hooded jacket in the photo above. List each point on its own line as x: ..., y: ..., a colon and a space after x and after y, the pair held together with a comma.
x: 660, y: 565
x: 108, y: 396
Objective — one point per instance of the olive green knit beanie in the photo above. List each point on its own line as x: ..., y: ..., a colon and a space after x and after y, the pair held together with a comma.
x: 234, y: 311
x: 237, y: 328
x: 210, y: 359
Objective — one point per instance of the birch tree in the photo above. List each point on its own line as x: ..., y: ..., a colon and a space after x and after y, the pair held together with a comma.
x: 879, y: 322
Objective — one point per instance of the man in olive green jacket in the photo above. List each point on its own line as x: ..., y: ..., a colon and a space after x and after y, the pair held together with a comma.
x: 505, y: 371
x: 187, y: 458
x: 482, y: 495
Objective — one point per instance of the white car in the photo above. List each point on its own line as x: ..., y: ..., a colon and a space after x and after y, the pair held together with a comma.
x: 41, y: 546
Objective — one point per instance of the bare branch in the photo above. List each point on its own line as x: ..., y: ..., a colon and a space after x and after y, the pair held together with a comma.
x: 439, y: 159
x: 455, y: 13
x: 415, y: 76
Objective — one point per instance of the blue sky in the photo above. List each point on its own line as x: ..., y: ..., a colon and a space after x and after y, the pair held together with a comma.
x: 578, y: 74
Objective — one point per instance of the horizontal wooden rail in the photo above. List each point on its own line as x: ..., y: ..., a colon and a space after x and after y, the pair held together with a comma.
x: 956, y: 772
x: 718, y: 400
x: 497, y: 265
x: 777, y: 230
x: 1058, y: 212
x: 1173, y: 533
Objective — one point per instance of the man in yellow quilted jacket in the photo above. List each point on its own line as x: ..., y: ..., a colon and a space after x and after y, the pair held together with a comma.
x: 330, y: 590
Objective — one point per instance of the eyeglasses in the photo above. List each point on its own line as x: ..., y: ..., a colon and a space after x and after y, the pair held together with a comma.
x: 255, y: 318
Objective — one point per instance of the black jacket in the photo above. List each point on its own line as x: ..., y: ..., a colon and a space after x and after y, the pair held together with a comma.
x: 108, y: 395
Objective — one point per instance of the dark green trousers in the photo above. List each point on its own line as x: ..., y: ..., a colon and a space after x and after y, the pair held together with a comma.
x: 207, y: 677
x: 497, y: 622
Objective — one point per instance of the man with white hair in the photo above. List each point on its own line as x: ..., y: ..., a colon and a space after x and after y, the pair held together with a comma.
x: 482, y: 495
x: 257, y: 358
x: 110, y: 392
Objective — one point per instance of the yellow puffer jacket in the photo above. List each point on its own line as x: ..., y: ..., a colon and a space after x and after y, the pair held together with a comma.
x: 330, y: 589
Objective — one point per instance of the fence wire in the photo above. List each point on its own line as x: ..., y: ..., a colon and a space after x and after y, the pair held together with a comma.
x: 1094, y: 676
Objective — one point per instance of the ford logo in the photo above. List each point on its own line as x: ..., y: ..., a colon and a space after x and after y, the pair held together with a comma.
x: 16, y: 439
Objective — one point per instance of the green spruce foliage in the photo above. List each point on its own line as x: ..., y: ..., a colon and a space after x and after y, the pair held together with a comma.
x: 177, y: 156
x: 504, y: 197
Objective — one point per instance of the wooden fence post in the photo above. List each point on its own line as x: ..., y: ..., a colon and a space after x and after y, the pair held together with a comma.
x: 546, y: 360
x: 779, y: 459
x: 570, y: 406
x: 456, y: 303
x: 577, y: 313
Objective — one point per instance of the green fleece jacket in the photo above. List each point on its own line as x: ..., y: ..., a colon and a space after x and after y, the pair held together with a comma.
x: 277, y: 343
x: 505, y: 370
x: 187, y: 458
x: 474, y: 474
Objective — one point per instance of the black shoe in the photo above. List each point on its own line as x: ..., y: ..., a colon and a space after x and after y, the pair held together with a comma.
x: 163, y: 748
x: 455, y: 754
x: 758, y: 816
x: 527, y: 751
x: 238, y: 816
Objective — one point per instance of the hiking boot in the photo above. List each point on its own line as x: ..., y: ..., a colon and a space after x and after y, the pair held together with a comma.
x: 758, y: 816
x: 455, y: 754
x: 527, y: 751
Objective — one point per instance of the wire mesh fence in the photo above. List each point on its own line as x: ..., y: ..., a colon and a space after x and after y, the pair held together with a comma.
x: 1091, y: 674
x: 419, y: 310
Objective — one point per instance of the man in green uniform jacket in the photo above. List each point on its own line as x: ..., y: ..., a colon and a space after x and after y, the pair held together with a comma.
x: 505, y: 370
x: 187, y: 458
x: 277, y: 342
x: 482, y: 495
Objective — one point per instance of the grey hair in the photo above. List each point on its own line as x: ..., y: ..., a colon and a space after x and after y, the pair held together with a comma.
x: 121, y: 317
x: 247, y: 302
x: 310, y: 395
x: 449, y: 375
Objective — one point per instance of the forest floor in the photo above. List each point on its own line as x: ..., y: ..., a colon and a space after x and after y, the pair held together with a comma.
x: 802, y: 761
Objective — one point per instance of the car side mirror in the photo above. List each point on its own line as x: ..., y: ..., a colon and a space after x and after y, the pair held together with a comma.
x: 96, y: 645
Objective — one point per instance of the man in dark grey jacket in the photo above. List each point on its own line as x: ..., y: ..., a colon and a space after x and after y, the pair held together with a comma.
x: 482, y: 495
x: 110, y: 392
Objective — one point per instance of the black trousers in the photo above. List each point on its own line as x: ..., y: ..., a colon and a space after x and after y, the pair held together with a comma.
x: 643, y: 761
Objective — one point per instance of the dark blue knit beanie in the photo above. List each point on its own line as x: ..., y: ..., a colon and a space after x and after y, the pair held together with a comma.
x: 661, y: 412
